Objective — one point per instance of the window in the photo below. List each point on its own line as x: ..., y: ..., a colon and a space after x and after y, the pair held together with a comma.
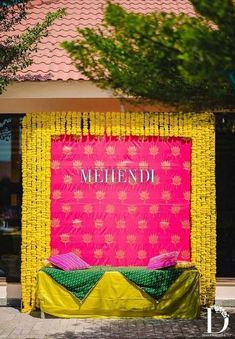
x: 10, y: 196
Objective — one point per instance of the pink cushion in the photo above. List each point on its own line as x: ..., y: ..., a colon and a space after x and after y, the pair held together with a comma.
x: 68, y: 262
x: 163, y: 260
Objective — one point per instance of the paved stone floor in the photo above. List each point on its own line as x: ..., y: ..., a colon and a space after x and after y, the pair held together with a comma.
x: 16, y: 325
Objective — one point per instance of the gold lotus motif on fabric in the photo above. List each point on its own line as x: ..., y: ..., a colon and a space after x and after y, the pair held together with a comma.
x: 175, y: 150
x: 88, y: 208
x: 166, y: 165
x: 164, y: 224
x: 185, y: 254
x: 55, y: 164
x: 144, y: 195
x: 153, y: 209
x: 131, y: 239
x: 99, y: 223
x: 120, y: 224
x: 122, y: 195
x: 78, y: 195
x: 176, y: 180
x: 110, y: 209
x: 153, y: 239
x: 175, y: 239
x: 132, y: 209
x: 68, y: 179
x: 132, y: 150
x: 77, y: 164
x: 99, y: 164
x: 120, y: 254
x: 108, y: 239
x: 175, y: 209
x: 142, y: 224
x: 142, y: 254
x: 166, y: 195
x: 56, y: 195
x: 55, y: 223
x: 98, y: 254
x: 186, y: 165
x: 110, y: 150
x: 67, y: 150
x: 77, y: 223
x: 88, y: 150
x: 87, y: 238
x: 100, y: 195
x: 66, y: 208
x: 65, y: 238
x: 153, y: 150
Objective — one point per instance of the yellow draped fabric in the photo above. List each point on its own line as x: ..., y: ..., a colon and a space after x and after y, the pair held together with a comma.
x: 114, y: 296
x: 39, y: 128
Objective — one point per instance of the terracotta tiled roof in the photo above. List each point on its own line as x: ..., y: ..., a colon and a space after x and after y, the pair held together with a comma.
x: 51, y: 61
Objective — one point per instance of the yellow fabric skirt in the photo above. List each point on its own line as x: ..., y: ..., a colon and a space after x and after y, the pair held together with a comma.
x: 114, y: 296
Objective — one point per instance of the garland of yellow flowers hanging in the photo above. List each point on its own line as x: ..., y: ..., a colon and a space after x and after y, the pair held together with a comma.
x: 39, y: 128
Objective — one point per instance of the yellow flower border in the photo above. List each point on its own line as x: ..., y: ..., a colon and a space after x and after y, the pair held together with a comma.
x: 38, y: 128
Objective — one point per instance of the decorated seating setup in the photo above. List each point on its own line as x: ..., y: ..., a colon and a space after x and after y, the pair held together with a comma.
x: 118, y: 214
x: 123, y: 292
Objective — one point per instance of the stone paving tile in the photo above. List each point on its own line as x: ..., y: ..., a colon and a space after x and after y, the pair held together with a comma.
x: 15, y: 325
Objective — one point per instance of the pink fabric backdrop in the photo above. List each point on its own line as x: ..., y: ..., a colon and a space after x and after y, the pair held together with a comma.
x: 120, y: 224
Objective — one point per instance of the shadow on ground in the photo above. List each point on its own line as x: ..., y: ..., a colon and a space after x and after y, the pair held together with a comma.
x: 147, y: 328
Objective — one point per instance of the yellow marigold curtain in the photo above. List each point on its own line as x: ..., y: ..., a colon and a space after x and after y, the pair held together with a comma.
x: 39, y: 128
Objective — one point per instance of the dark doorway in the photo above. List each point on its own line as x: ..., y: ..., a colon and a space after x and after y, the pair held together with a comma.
x: 225, y: 194
x: 10, y: 196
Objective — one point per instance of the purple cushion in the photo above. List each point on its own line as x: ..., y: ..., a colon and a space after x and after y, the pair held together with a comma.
x: 163, y: 260
x: 68, y: 262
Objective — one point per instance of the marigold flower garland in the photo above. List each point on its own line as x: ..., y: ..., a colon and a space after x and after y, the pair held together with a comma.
x: 39, y: 128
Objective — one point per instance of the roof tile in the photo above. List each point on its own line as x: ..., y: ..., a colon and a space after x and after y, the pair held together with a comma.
x: 51, y: 61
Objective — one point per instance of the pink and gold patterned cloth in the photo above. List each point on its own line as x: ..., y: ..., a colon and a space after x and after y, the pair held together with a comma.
x: 120, y: 224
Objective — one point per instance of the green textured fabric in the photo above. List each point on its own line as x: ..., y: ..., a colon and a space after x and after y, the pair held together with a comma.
x: 78, y: 282
x: 153, y: 282
x: 81, y: 282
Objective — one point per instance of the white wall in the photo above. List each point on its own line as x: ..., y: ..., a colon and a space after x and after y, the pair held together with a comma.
x: 54, y: 89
